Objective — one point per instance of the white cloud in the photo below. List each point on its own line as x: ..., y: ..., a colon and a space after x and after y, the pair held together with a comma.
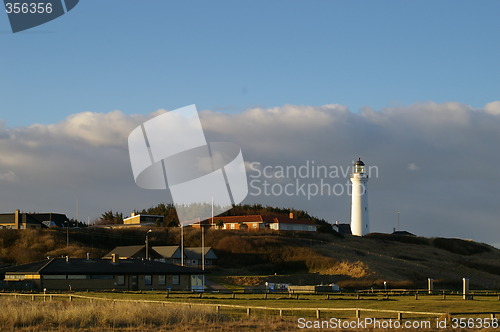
x: 413, y: 167
x: 85, y: 157
x: 8, y: 176
x: 493, y: 108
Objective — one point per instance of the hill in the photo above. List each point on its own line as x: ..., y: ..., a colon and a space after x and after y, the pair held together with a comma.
x: 299, y: 258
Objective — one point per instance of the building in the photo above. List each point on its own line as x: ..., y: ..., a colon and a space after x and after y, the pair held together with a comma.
x: 167, y: 254
x: 359, y: 206
x: 193, y: 256
x: 290, y: 224
x: 102, y: 274
x: 22, y: 220
x: 260, y: 222
x: 132, y: 252
x: 143, y: 220
x: 344, y: 229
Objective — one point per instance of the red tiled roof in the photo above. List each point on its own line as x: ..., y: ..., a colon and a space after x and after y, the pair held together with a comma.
x: 235, y: 219
x: 258, y: 218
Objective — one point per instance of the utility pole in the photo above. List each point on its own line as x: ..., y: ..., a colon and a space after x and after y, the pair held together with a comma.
x: 182, y: 244
x: 202, y: 246
x: 147, y: 244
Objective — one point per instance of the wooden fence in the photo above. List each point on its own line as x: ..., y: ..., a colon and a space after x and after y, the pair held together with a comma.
x: 250, y: 310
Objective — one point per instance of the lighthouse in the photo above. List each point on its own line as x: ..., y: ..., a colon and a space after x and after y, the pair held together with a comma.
x: 359, y: 206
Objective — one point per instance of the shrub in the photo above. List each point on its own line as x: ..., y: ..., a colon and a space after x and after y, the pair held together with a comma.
x: 460, y: 247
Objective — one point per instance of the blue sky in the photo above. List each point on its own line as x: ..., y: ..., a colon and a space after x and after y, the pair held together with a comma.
x: 228, y: 56
x: 412, y: 87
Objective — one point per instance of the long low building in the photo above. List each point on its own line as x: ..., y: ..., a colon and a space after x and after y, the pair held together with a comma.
x: 258, y: 222
x: 102, y: 274
x: 23, y: 220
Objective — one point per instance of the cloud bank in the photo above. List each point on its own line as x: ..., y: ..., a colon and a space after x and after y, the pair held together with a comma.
x: 437, y: 164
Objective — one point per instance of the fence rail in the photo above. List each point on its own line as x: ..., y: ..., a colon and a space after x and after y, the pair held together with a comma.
x: 251, y: 309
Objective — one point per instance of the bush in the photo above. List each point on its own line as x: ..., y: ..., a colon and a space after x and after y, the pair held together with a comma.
x: 460, y: 247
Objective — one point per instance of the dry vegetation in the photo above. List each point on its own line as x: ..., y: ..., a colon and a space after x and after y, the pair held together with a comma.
x: 298, y: 258
x: 23, y: 315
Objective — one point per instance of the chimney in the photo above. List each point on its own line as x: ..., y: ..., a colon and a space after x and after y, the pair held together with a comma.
x: 132, y: 214
x: 290, y: 215
x: 115, y: 258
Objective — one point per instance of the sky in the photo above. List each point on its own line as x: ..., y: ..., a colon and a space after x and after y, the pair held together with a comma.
x: 413, y: 88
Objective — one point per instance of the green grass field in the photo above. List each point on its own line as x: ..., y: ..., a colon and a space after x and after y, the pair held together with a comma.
x: 424, y: 303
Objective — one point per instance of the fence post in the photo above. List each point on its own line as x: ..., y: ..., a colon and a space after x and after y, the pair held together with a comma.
x: 281, y: 312
x: 358, y: 313
x: 318, y: 314
x: 266, y: 296
x: 32, y: 297
x: 416, y: 296
x: 217, y: 309
x: 70, y: 298
x: 234, y: 295
x: 400, y: 316
x: 328, y: 296
x: 492, y: 315
x: 248, y: 311
x: 465, y: 288
x: 297, y: 296
x: 201, y: 295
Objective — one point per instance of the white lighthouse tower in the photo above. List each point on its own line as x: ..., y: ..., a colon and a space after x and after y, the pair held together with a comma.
x: 359, y: 208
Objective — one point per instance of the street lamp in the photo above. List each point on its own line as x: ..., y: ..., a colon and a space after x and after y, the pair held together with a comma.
x: 147, y: 244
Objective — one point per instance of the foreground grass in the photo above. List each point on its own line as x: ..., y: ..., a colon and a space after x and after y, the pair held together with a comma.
x: 22, y: 314
x: 183, y: 312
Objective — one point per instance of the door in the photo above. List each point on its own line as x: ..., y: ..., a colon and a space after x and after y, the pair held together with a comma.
x: 134, y: 284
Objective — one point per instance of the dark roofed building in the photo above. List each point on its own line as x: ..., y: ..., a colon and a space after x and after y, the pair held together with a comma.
x: 22, y: 220
x: 101, y: 274
x: 193, y: 256
x: 132, y: 252
x: 344, y: 229
x: 169, y: 254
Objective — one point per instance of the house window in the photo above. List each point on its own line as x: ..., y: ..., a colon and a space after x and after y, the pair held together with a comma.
x: 148, y: 280
x: 14, y: 276
x: 232, y: 226
x: 102, y: 276
x: 162, y: 279
x: 175, y: 279
x: 54, y: 276
x: 120, y: 280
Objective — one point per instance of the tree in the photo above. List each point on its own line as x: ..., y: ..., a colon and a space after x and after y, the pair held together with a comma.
x: 219, y: 224
x: 109, y: 217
